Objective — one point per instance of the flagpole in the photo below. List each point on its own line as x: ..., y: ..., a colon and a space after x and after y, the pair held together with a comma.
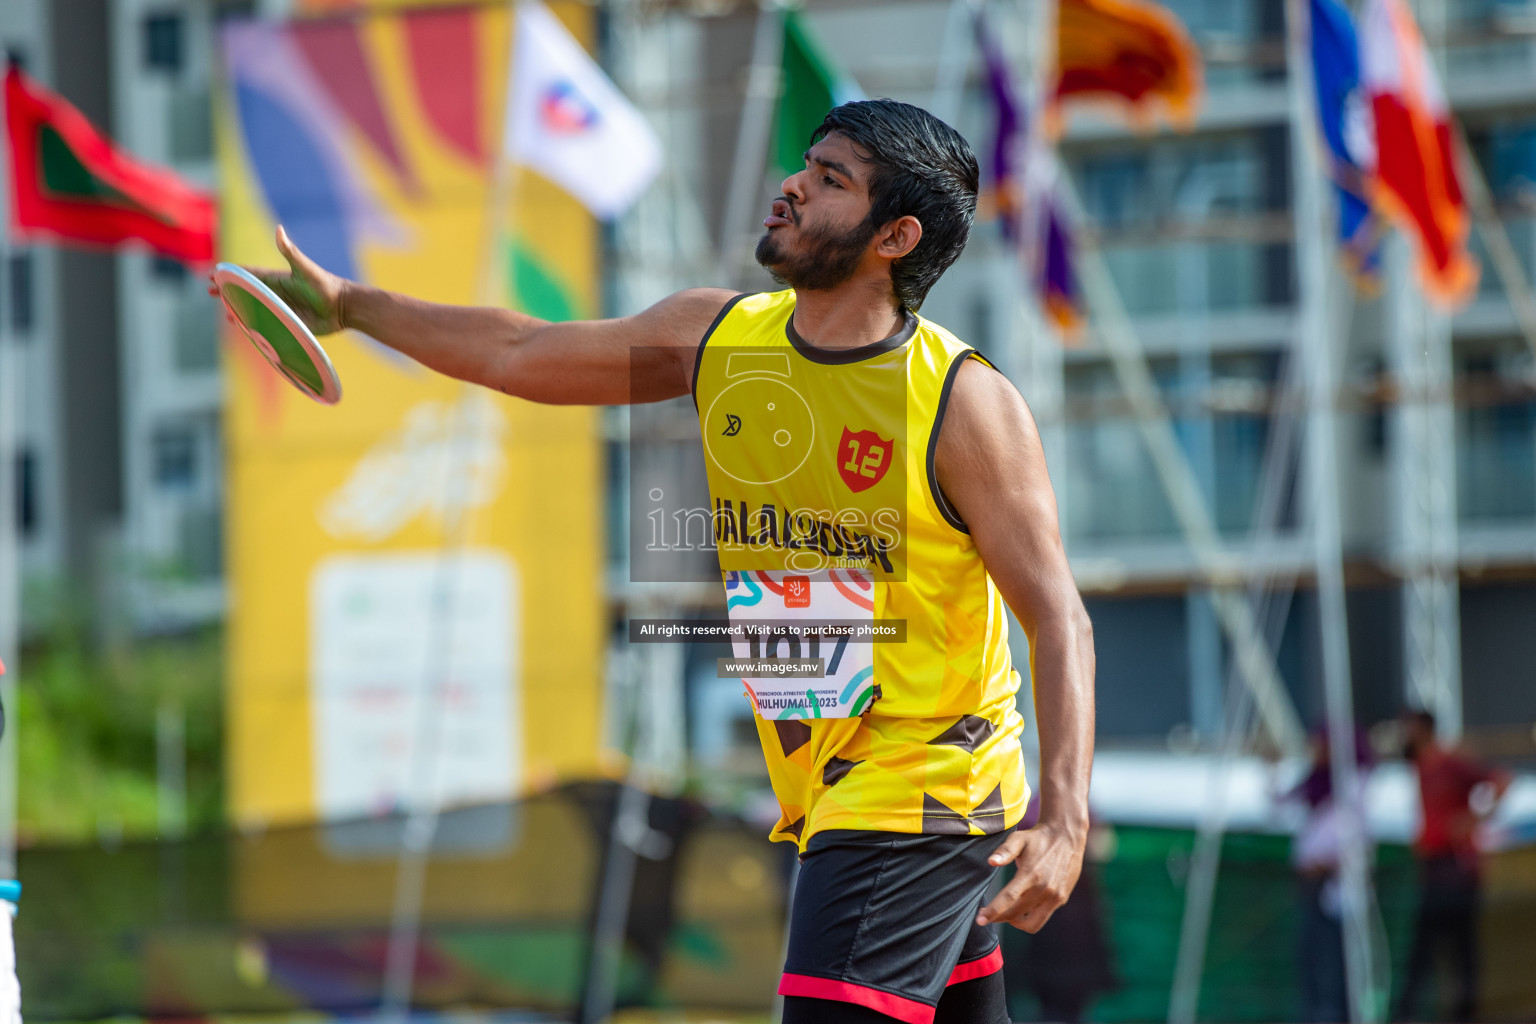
x: 495, y: 258
x: 1316, y: 343
x: 628, y: 827
x: 1044, y: 362
x: 752, y: 136
x: 11, y: 396
x: 10, y: 594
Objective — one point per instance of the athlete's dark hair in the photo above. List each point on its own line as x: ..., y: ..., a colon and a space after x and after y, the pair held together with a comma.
x: 922, y: 168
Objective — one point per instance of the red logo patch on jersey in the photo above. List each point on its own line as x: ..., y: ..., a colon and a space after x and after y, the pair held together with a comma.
x: 797, y: 591
x: 862, y: 458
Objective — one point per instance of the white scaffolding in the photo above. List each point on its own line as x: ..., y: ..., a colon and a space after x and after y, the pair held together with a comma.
x: 1423, y: 422
x: 1425, y: 550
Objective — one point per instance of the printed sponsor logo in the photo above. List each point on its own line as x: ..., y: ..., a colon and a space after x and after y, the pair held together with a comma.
x: 565, y: 111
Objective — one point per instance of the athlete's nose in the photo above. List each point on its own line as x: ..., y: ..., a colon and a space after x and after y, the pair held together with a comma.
x: 790, y: 188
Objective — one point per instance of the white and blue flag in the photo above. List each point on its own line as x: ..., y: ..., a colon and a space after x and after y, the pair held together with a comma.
x: 1344, y: 116
x: 568, y: 121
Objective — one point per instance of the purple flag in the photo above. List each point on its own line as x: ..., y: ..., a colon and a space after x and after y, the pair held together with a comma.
x: 1041, y: 232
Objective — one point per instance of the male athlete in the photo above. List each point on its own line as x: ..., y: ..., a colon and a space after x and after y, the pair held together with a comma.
x: 903, y: 792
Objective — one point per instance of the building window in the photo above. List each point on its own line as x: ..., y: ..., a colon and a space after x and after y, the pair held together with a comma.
x: 168, y: 269
x: 21, y: 291
x: 1512, y: 162
x: 26, y: 492
x: 191, y: 123
x: 1116, y: 188
x: 196, y: 337
x: 162, y: 42
x: 1495, y: 433
x: 175, y: 458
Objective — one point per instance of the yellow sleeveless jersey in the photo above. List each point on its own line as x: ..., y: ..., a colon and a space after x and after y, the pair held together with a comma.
x: 826, y: 505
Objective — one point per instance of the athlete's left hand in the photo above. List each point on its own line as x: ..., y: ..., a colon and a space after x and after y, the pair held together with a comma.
x: 1047, y: 860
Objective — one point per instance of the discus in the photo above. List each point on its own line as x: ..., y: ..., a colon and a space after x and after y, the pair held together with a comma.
x: 278, y: 333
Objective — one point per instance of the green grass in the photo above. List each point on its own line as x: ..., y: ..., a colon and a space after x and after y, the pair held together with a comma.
x: 85, y: 728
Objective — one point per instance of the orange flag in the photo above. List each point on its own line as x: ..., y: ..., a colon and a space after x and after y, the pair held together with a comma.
x: 1132, y: 52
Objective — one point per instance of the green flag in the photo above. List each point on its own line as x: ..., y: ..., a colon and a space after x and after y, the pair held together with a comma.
x: 811, y: 86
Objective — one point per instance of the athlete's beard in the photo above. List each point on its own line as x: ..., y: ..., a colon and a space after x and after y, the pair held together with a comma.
x: 826, y: 260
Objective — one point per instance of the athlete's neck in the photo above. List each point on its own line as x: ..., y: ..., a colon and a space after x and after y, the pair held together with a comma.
x: 840, y: 319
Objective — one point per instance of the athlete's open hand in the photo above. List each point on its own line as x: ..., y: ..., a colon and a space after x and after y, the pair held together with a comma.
x: 1047, y: 858
x: 311, y: 291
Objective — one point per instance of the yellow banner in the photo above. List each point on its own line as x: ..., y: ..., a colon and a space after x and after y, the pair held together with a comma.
x: 415, y: 572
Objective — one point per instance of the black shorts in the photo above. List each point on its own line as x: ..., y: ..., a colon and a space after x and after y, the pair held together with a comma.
x: 887, y: 920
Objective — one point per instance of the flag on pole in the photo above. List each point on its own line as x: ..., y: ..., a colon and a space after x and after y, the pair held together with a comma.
x: 71, y: 184
x: 1010, y: 139
x: 1057, y: 277
x: 1415, y: 183
x: 1024, y: 191
x: 569, y: 122
x: 1345, y: 122
x: 1134, y: 53
x: 811, y: 85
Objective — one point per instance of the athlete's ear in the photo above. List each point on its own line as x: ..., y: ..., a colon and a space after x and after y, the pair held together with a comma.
x: 899, y: 237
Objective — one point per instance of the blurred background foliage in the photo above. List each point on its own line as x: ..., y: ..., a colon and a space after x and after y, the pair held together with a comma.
x: 87, y: 725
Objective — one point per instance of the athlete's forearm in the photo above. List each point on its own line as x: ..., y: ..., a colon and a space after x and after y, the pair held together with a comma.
x: 466, y: 342
x: 1063, y: 667
x: 644, y: 357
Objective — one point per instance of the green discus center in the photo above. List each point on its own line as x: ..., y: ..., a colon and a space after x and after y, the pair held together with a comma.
x: 290, y: 351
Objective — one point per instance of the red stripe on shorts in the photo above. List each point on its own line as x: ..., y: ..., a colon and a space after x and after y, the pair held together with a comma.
x: 909, y: 1010
x: 978, y: 968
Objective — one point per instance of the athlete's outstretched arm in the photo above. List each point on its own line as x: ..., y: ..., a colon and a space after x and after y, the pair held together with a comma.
x: 991, y: 467
x: 585, y: 362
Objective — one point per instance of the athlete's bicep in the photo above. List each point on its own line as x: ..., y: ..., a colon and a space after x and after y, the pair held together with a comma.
x: 646, y: 357
x: 991, y: 467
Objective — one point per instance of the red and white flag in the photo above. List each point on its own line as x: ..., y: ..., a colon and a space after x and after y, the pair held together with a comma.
x: 1415, y: 179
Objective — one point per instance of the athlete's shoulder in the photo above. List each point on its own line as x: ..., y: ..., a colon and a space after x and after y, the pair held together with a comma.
x: 945, y: 341
x: 684, y: 317
x: 983, y: 402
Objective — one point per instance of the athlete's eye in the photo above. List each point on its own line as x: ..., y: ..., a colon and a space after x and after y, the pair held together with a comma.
x: 830, y: 180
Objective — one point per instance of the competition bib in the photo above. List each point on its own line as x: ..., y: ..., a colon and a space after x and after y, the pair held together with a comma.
x: 803, y: 623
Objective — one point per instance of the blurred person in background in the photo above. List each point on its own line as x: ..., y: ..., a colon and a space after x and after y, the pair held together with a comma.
x: 1315, y: 855
x: 1450, y: 872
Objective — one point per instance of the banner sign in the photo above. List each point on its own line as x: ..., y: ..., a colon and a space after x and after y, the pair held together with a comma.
x: 415, y: 573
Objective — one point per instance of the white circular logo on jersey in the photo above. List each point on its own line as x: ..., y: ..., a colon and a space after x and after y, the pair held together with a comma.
x: 759, y: 430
